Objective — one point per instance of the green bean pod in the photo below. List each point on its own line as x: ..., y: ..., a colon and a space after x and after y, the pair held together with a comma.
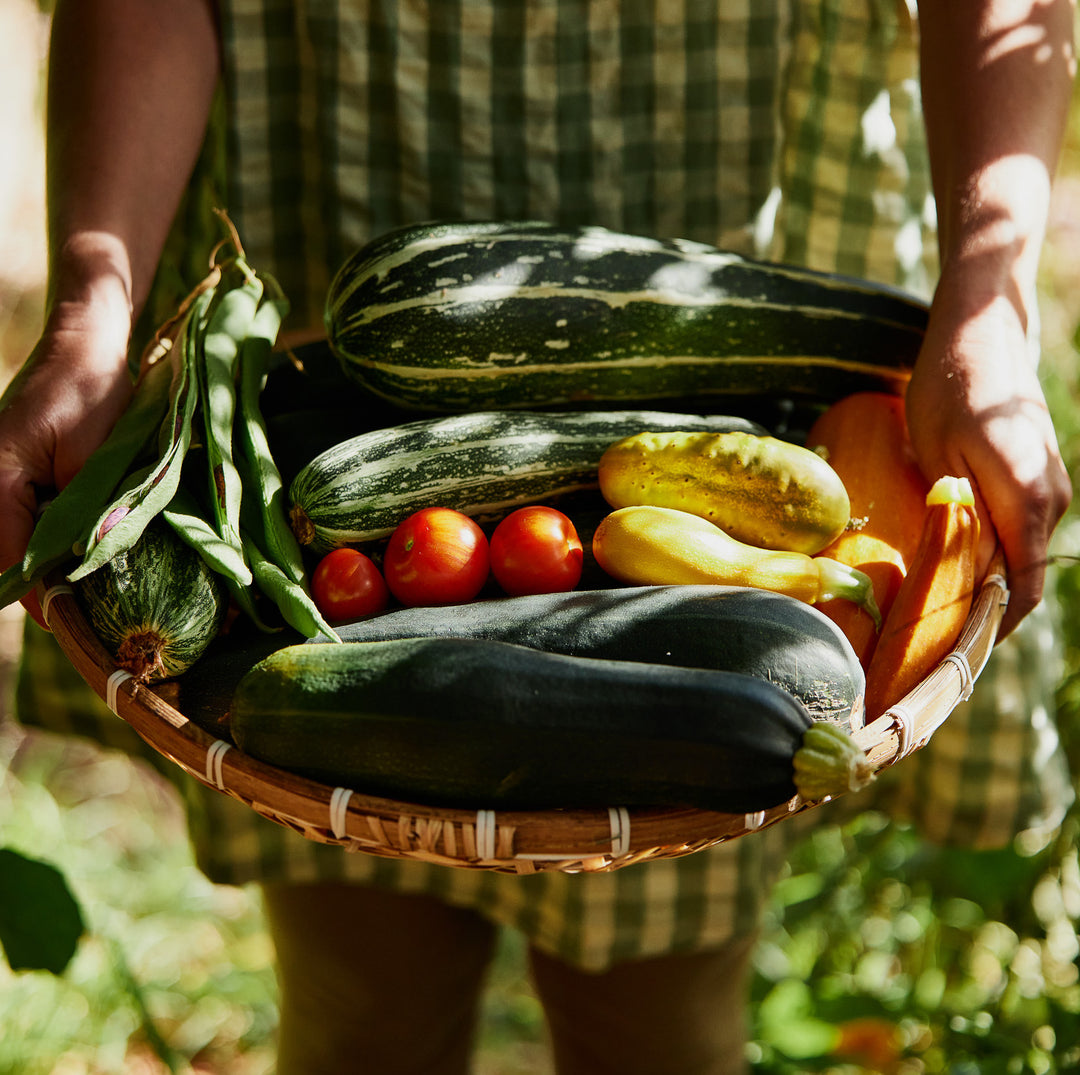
x: 69, y: 514
x: 73, y: 509
x: 13, y: 586
x: 292, y: 600
x: 230, y: 322
x: 186, y: 518
x: 123, y: 521
x: 264, y: 490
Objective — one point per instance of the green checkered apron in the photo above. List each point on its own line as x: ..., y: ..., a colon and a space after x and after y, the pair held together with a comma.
x: 789, y: 130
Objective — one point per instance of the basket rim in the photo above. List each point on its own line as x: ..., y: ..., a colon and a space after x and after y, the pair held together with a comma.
x: 578, y: 840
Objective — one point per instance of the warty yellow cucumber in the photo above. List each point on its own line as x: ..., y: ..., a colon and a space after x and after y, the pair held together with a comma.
x: 759, y: 489
x: 649, y: 545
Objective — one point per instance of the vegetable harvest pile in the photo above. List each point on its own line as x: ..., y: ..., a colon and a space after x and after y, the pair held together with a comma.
x: 505, y: 603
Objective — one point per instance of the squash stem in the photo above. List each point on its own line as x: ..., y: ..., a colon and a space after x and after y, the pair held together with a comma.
x: 840, y: 580
x: 951, y: 490
x: 141, y: 654
x: 301, y: 525
x: 829, y: 762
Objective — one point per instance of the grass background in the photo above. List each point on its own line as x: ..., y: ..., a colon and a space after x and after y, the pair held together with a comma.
x: 881, y: 954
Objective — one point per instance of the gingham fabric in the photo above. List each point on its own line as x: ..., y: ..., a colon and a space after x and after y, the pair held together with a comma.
x: 790, y: 130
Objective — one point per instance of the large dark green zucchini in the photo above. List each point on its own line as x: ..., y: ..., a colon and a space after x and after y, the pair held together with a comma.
x: 475, y: 724
x: 474, y: 316
x: 155, y: 606
x: 735, y: 629
x: 483, y: 464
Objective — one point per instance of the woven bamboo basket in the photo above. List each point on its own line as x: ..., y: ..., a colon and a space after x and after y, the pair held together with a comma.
x: 510, y: 841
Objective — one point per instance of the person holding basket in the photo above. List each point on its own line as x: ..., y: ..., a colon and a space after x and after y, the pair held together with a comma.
x: 916, y: 148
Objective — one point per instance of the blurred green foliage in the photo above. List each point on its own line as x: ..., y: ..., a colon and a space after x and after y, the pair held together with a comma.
x: 171, y: 969
x: 948, y: 961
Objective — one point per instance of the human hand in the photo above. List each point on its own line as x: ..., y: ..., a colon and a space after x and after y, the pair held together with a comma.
x: 976, y: 409
x: 59, y: 407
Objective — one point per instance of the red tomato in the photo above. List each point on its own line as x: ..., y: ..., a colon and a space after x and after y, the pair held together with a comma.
x: 437, y: 556
x: 536, y: 550
x: 346, y: 585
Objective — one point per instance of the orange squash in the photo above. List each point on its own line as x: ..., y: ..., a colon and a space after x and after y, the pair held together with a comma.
x: 864, y: 438
x: 933, y: 601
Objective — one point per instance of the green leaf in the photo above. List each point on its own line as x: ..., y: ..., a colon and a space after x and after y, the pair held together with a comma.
x: 40, y: 921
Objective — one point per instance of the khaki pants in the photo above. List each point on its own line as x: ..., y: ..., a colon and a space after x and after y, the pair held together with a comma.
x: 389, y: 984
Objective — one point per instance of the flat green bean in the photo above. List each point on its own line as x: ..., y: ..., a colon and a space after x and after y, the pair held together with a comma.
x: 123, y: 521
x: 183, y: 514
x: 264, y: 493
x: 13, y: 587
x: 229, y: 323
x: 75, y: 507
x: 293, y: 601
x: 66, y: 517
x: 244, y: 597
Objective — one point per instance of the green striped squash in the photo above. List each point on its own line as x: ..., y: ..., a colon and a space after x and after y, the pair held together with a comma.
x: 155, y: 606
x: 485, y: 464
x: 476, y: 316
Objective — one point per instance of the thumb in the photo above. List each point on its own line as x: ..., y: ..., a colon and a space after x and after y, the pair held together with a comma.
x: 18, y: 492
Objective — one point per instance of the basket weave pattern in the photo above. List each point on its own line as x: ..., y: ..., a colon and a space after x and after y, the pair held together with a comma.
x: 508, y: 841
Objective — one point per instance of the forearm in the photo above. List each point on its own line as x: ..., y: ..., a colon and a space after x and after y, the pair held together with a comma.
x: 129, y: 93
x: 996, y: 81
x: 997, y: 76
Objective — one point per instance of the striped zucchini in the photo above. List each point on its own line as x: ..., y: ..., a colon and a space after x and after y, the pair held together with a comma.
x: 475, y: 316
x: 155, y: 606
x: 483, y: 464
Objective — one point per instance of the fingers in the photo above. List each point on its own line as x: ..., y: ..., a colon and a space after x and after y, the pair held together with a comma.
x: 1015, y: 460
x: 1024, y: 531
x: 976, y: 409
x: 27, y: 452
x: 19, y: 495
